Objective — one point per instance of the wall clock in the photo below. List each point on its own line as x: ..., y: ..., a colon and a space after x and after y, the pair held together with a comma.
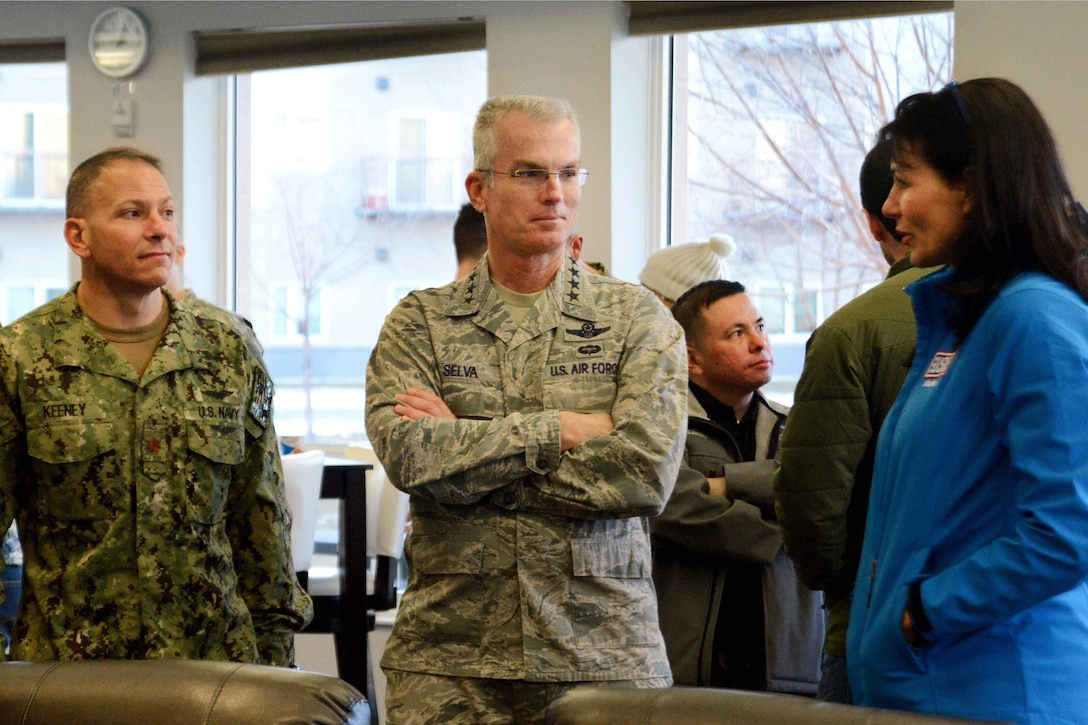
x: 119, y: 42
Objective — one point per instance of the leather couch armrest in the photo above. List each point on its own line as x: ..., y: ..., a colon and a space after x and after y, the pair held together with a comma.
x: 173, y: 692
x: 603, y: 705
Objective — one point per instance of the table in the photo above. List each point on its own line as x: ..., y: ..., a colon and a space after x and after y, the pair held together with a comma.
x: 347, y: 619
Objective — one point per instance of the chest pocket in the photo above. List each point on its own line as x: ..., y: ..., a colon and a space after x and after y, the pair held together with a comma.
x: 473, y: 390
x: 582, y: 386
x: 77, y: 477
x: 215, y: 447
x: 582, y: 367
x: 708, y: 455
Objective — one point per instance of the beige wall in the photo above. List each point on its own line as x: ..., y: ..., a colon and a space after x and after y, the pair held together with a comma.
x: 1043, y: 47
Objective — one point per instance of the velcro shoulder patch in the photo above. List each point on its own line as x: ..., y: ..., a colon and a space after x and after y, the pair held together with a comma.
x: 260, y: 398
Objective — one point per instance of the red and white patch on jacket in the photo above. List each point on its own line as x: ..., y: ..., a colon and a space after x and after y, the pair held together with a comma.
x: 938, y: 367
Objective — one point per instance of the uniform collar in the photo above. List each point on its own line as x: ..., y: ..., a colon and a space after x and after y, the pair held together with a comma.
x: 78, y: 343
x: 74, y: 335
x: 475, y: 294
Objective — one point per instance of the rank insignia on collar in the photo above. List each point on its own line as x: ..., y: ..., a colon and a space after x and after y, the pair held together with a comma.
x: 573, y: 282
x: 470, y: 288
x: 589, y: 330
x: 260, y: 400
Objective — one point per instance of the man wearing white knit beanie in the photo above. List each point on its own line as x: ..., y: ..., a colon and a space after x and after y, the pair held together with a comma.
x: 672, y: 271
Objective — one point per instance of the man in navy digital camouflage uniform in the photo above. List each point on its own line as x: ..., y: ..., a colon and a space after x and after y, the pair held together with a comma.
x: 138, y: 455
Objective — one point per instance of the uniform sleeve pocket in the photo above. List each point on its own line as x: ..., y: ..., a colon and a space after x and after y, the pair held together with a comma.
x: 9, y: 426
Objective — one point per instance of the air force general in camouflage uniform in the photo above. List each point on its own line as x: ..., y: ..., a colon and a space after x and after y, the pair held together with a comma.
x: 150, y: 508
x: 527, y: 562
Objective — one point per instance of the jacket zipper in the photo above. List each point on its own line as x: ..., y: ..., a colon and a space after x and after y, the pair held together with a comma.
x: 872, y: 576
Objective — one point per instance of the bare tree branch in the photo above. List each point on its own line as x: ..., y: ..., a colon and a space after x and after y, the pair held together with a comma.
x: 779, y: 122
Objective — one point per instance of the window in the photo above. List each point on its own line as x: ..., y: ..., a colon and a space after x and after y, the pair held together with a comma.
x: 427, y: 164
x: 787, y: 313
x: 770, y: 174
x: 33, y: 178
x: 771, y: 129
x: 296, y: 313
x: 34, y: 146
x: 350, y: 177
x: 20, y: 299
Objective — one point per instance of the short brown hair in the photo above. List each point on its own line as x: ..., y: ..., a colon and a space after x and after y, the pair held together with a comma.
x: 79, y: 185
x: 469, y: 234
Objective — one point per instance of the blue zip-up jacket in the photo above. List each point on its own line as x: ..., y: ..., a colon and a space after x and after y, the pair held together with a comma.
x: 980, y: 495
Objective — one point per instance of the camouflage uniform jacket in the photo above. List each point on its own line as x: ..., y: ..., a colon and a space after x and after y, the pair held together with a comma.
x: 151, y: 512
x: 525, y: 563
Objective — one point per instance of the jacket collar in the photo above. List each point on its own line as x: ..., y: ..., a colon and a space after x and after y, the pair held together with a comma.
x: 901, y: 265
x: 769, y: 421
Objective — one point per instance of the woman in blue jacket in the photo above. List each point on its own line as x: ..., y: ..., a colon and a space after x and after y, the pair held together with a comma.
x: 971, y: 597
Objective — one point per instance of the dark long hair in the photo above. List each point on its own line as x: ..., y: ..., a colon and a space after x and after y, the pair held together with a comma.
x: 988, y: 134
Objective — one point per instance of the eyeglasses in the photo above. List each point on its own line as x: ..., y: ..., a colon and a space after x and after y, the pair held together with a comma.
x: 953, y: 88
x: 539, y: 177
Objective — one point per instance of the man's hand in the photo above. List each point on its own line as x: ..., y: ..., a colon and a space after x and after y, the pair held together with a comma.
x: 717, y: 486
x: 415, y: 404
x: 575, y: 428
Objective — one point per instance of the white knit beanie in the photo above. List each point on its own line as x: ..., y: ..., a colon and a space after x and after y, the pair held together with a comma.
x: 674, y: 270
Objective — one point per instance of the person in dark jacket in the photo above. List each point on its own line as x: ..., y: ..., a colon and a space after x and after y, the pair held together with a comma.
x: 732, y: 610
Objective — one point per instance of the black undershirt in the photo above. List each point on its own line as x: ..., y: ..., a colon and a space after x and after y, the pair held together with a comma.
x: 740, y: 657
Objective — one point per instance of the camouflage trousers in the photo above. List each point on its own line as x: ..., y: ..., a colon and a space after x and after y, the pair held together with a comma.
x: 417, y: 698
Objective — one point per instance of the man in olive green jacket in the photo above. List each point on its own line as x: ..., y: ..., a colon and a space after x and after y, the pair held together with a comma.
x: 855, y: 364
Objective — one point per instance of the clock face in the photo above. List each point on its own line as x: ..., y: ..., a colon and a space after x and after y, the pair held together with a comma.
x: 119, y: 42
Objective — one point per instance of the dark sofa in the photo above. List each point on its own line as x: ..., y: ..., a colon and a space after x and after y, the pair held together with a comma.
x: 173, y: 692
x: 590, y: 705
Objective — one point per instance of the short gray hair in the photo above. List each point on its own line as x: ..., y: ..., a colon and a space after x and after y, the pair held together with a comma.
x: 539, y: 109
